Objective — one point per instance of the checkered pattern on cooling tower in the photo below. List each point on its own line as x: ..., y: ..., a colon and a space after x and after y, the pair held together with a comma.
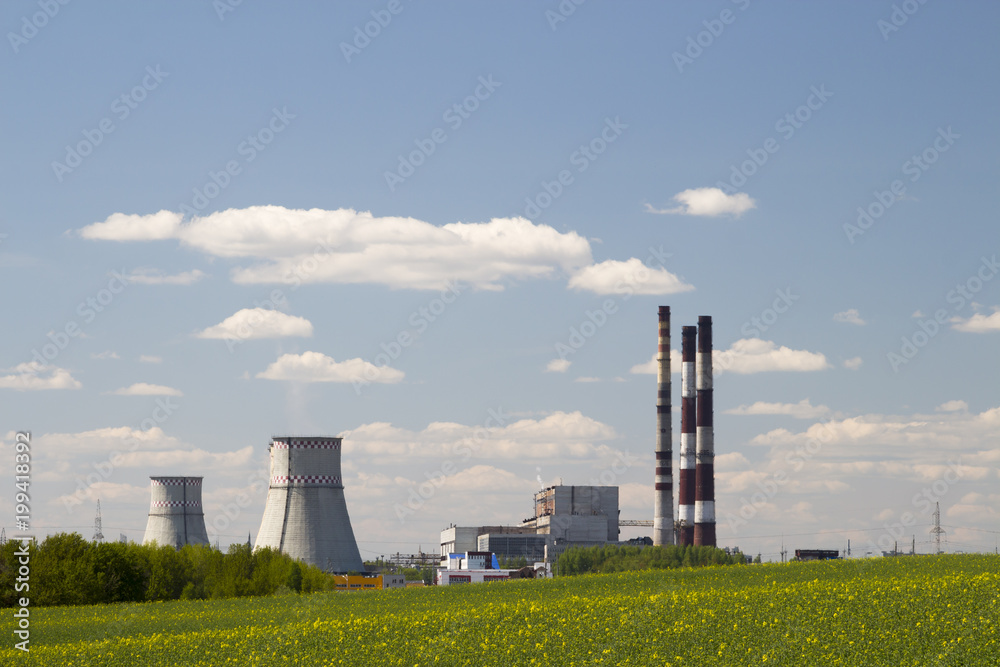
x: 176, y: 481
x: 306, y: 479
x: 175, y: 503
x: 307, y: 443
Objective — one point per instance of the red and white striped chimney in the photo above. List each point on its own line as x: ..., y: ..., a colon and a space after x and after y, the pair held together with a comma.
x: 704, y: 503
x: 686, y: 480
x: 663, y: 502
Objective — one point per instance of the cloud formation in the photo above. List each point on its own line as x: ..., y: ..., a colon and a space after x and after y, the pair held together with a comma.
x: 146, y: 276
x: 746, y: 356
x: 850, y: 316
x: 251, y: 323
x: 709, y: 202
x: 145, y: 389
x: 801, y: 410
x: 317, y: 367
x: 35, y: 376
x: 978, y: 323
x: 631, y: 276
x: 558, y: 366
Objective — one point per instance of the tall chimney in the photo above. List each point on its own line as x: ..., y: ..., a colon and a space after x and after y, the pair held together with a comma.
x: 704, y: 500
x: 663, y: 504
x: 687, y: 481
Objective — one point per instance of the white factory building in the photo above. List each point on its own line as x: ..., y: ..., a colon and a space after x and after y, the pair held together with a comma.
x: 563, y: 516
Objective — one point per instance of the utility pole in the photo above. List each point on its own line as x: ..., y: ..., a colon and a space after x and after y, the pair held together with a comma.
x: 98, y: 534
x: 783, y: 552
x: 937, y: 531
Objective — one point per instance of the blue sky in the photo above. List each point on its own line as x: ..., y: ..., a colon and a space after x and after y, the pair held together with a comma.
x: 811, y: 111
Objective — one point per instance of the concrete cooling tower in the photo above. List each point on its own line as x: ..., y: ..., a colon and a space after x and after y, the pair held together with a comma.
x: 306, y: 513
x: 176, y: 517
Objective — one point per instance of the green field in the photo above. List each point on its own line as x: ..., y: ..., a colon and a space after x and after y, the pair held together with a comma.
x: 924, y: 611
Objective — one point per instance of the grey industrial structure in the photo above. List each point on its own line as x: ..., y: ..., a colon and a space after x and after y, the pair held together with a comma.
x: 306, y: 512
x: 176, y: 516
x: 564, y: 516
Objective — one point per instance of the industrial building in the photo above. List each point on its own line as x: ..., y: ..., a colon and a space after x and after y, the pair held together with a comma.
x: 176, y: 516
x: 564, y: 516
x: 473, y: 567
x: 362, y: 582
x: 306, y: 511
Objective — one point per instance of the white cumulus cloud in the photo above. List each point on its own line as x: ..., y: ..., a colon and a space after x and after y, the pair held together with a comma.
x: 978, y: 323
x: 615, y: 277
x: 558, y: 366
x: 709, y: 202
x: 123, y: 227
x: 754, y: 355
x: 953, y: 406
x: 34, y: 376
x: 146, y: 389
x: 317, y: 367
x: 251, y: 323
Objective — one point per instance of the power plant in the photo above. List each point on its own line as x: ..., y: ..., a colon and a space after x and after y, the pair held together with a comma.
x: 687, y: 480
x: 696, y: 483
x: 663, y: 500
x: 176, y: 516
x: 306, y: 513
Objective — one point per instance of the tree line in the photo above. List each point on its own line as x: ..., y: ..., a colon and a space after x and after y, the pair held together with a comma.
x: 65, y: 569
x: 615, y: 558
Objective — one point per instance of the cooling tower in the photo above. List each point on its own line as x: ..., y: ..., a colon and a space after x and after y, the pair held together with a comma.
x: 306, y: 513
x: 663, y: 501
x: 686, y: 479
x: 176, y: 517
x: 704, y: 504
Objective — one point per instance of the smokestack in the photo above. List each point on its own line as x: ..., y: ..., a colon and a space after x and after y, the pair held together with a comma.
x: 176, y: 517
x: 687, y: 480
x: 306, y: 512
x: 663, y: 503
x: 704, y: 500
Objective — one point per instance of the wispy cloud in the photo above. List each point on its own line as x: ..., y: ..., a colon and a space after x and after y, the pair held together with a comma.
x: 146, y: 389
x: 146, y: 276
x: 850, y: 316
x: 854, y: 363
x: 107, y: 354
x: 801, y: 410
